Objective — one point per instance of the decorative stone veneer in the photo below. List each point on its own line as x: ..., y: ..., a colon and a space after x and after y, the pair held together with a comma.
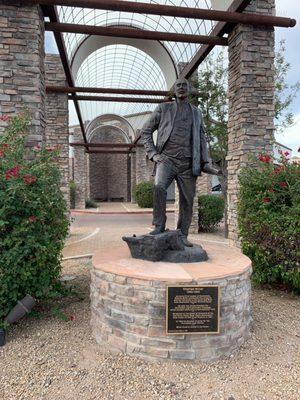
x: 203, y: 186
x: 22, y: 65
x: 144, y: 167
x: 57, y: 118
x: 141, y: 167
x: 251, y: 99
x: 81, y: 171
x: 133, y: 175
x: 128, y: 304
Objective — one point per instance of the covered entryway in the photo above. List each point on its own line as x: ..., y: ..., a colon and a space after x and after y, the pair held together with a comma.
x: 109, y: 172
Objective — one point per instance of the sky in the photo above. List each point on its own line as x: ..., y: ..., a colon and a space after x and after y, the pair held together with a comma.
x: 290, y: 8
x: 284, y: 8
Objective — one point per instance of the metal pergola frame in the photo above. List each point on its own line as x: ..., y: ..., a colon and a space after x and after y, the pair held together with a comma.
x: 227, y: 20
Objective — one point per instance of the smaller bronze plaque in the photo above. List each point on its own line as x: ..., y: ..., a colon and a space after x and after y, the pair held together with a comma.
x: 192, y: 309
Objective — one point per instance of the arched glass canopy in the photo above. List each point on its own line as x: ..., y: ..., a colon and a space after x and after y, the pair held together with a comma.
x: 121, y: 64
x: 131, y: 69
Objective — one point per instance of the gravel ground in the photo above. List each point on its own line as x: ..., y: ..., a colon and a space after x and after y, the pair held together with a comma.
x: 49, y: 358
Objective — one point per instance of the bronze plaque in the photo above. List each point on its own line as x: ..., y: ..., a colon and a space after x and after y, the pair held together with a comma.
x: 192, y: 309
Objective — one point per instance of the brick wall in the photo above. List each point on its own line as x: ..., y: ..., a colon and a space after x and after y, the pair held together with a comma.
x: 251, y: 100
x: 22, y: 65
x: 108, y: 172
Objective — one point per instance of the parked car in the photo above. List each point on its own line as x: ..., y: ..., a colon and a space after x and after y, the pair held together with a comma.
x: 216, y: 189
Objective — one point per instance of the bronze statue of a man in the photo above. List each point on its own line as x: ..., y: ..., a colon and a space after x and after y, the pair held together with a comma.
x: 180, y: 153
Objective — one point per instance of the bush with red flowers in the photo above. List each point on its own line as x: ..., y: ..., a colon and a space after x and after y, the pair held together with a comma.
x: 269, y: 220
x: 33, y: 218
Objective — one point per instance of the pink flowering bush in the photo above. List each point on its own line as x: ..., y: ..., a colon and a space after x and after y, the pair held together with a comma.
x: 269, y: 220
x: 33, y: 218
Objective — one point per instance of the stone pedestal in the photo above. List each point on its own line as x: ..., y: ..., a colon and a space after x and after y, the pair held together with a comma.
x: 128, y: 303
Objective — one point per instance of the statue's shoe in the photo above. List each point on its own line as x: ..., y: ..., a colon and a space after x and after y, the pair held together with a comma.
x: 157, y: 230
x: 186, y: 242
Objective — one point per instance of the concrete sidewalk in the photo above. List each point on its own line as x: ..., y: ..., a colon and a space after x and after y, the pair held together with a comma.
x: 91, y: 232
x: 119, y: 208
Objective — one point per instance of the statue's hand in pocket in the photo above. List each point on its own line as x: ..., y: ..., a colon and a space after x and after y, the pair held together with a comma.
x: 158, y: 158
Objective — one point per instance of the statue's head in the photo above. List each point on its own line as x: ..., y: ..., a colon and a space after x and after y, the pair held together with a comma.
x: 182, y: 88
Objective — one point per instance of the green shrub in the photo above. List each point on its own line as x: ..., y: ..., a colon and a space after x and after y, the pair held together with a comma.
x: 33, y: 218
x: 269, y: 221
x: 144, y: 194
x: 72, y: 186
x: 210, y: 211
x: 90, y: 203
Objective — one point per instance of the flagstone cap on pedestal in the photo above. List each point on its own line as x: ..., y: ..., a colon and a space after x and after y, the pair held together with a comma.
x: 224, y: 261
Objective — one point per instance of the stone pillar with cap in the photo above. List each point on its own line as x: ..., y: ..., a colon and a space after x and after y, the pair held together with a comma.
x: 251, y: 100
x: 22, y: 75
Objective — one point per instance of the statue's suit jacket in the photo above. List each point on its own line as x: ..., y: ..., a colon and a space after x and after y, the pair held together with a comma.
x: 162, y: 120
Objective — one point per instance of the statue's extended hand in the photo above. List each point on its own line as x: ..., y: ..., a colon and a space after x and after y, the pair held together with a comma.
x: 209, y: 169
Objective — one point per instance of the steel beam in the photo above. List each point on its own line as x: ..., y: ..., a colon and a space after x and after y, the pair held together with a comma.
x: 134, y: 33
x: 119, y: 99
x: 108, y: 151
x: 69, y: 89
x: 173, y: 11
x: 105, y: 145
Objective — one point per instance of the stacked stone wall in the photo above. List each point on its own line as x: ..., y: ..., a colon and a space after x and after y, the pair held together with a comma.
x: 144, y: 167
x: 80, y: 166
x: 203, y: 186
x: 129, y: 314
x: 22, y: 82
x: 57, y: 119
x: 133, y: 175
x: 251, y: 100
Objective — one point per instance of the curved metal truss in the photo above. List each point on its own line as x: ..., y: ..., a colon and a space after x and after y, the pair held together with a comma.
x: 124, y: 66
x: 131, y: 69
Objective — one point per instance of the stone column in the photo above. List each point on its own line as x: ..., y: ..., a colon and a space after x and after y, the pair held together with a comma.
x: 22, y: 65
x: 128, y: 199
x: 87, y: 177
x: 251, y: 100
x: 144, y: 167
x: 80, y: 171
x: 57, y: 118
x: 133, y: 176
x: 203, y: 186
